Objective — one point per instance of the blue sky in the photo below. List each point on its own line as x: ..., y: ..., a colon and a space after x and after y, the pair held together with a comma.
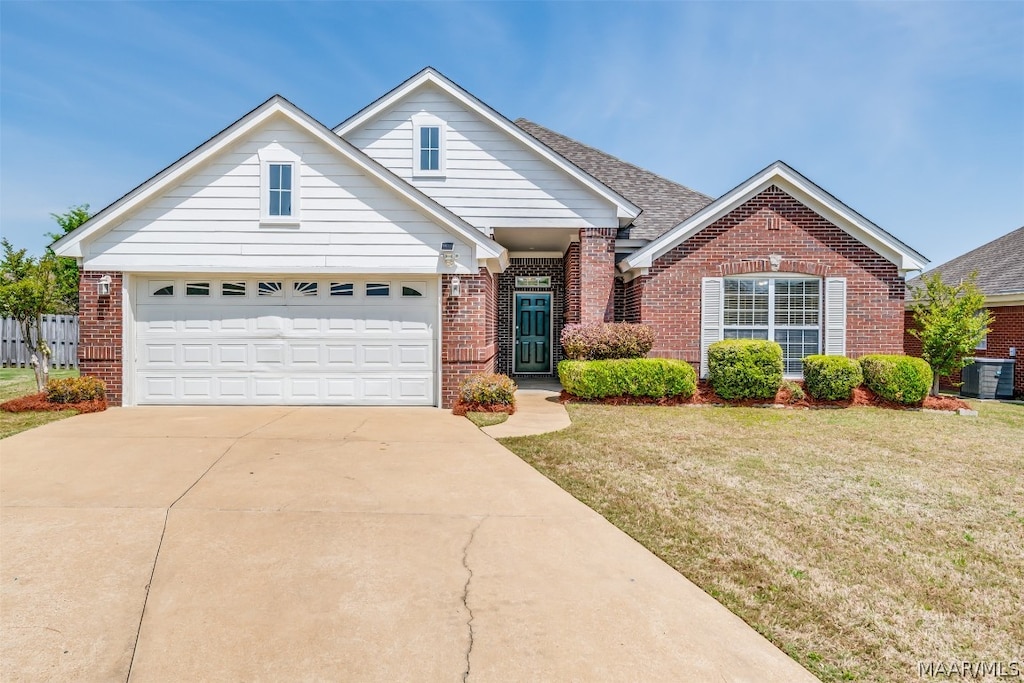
x: 911, y: 113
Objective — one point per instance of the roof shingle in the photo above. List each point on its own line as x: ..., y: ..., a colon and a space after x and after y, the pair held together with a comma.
x: 1000, y: 266
x: 665, y: 203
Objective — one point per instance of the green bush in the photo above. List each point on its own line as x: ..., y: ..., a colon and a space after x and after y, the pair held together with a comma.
x: 488, y: 389
x: 745, y: 368
x: 641, y: 377
x: 832, y: 378
x: 903, y: 379
x: 75, y: 389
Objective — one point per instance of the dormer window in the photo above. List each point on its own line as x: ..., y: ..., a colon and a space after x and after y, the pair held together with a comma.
x: 280, y: 176
x: 428, y: 153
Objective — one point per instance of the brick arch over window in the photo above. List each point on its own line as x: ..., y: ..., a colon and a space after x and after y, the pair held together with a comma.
x: 764, y: 265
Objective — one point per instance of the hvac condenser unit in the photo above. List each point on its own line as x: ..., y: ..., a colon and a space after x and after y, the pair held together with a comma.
x: 988, y: 378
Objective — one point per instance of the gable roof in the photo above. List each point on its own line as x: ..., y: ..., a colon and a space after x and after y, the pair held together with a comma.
x: 70, y: 244
x: 999, y: 264
x: 665, y: 203
x: 802, y: 189
x: 625, y: 209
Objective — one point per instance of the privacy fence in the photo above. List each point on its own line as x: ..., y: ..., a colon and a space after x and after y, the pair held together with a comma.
x: 60, y: 332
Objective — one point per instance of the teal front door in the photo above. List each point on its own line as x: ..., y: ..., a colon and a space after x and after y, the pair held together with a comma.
x: 533, y: 332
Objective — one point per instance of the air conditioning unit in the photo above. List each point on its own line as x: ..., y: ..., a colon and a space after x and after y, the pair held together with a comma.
x: 988, y: 378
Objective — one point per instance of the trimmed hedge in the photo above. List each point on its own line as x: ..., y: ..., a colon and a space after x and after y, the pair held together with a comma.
x: 646, y: 377
x: 75, y: 389
x: 488, y: 389
x: 903, y: 379
x: 832, y: 378
x: 602, y: 341
x: 745, y: 368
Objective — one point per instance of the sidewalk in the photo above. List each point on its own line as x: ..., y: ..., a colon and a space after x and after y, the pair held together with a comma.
x: 538, y: 411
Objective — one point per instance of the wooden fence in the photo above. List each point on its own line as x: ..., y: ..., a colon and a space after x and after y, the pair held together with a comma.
x: 60, y: 332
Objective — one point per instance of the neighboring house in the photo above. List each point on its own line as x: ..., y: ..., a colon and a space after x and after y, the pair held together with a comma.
x: 428, y: 237
x: 1000, y: 268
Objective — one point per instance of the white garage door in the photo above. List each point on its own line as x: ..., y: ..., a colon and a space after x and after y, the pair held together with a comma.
x: 285, y: 340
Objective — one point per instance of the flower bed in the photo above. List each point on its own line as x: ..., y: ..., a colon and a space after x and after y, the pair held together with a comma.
x: 36, y: 402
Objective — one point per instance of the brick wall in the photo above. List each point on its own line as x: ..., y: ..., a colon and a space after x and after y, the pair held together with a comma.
x: 571, y: 278
x: 550, y: 267
x: 668, y: 298
x: 100, y: 330
x: 597, y: 275
x: 1007, y: 331
x: 469, y: 331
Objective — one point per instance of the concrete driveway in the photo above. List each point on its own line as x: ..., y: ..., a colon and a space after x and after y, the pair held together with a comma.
x: 302, y: 544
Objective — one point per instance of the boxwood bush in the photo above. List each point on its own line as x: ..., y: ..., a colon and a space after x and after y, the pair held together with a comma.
x: 488, y: 389
x: 903, y: 379
x: 832, y: 378
x: 641, y: 377
x: 601, y: 341
x: 75, y: 389
x: 745, y: 368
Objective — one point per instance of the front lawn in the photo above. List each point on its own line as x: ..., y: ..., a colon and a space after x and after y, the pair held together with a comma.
x: 860, y: 541
x: 15, y: 382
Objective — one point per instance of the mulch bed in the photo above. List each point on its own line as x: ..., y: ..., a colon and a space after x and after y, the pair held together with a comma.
x: 38, y: 402
x: 862, y: 396
x: 461, y: 408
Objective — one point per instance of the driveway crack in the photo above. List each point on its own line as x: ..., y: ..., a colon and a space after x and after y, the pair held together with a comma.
x: 465, y: 598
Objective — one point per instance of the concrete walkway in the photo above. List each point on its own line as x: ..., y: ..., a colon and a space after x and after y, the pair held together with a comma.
x: 250, y: 544
x: 538, y: 411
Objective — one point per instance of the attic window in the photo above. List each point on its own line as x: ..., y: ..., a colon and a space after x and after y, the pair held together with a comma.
x: 280, y: 186
x: 429, y: 142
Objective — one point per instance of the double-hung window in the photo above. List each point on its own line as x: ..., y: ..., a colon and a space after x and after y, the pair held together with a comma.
x: 429, y: 141
x: 280, y: 178
x: 280, y: 188
x: 786, y: 310
x: 430, y: 148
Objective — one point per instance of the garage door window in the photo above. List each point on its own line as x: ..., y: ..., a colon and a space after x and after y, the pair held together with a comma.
x: 161, y: 288
x: 270, y: 289
x: 197, y: 289
x: 413, y: 288
x: 232, y: 289
x: 341, y: 289
x: 378, y: 289
x: 305, y: 288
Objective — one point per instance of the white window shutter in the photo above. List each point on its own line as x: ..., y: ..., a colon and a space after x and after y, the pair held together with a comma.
x: 835, y: 316
x: 711, y: 302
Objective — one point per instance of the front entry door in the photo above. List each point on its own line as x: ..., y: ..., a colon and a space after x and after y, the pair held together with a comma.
x: 533, y: 332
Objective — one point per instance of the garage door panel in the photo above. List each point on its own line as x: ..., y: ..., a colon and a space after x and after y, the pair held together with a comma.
x: 290, y: 348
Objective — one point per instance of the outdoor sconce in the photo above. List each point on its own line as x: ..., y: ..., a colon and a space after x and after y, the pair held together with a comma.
x: 456, y: 287
x: 448, y: 254
x: 103, y: 286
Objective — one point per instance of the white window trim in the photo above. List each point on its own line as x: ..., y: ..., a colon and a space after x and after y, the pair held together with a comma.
x: 424, y: 120
x: 275, y: 154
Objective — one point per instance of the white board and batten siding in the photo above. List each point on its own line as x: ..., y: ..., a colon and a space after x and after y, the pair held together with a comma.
x: 273, y: 339
x: 491, y: 179
x: 210, y: 221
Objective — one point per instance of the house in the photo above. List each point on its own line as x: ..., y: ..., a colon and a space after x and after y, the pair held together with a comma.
x: 1000, y: 269
x: 428, y: 237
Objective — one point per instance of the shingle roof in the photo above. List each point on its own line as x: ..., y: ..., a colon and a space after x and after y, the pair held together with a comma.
x: 665, y: 203
x: 1000, y: 266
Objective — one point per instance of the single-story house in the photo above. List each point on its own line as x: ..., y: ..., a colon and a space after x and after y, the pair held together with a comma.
x: 1000, y: 269
x: 429, y: 237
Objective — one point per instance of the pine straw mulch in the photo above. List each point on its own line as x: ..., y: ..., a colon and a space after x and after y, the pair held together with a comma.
x: 38, y: 402
x: 461, y: 408
x: 862, y: 396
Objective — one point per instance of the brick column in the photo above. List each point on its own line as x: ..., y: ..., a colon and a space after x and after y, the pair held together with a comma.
x: 571, y: 264
x: 469, y: 338
x: 100, y: 331
x: 597, y: 275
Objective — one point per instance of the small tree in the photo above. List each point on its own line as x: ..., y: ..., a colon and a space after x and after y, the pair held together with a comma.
x: 28, y: 290
x: 951, y: 321
x: 66, y: 269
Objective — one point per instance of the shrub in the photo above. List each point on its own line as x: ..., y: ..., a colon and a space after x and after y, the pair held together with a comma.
x: 642, y: 377
x: 602, y: 341
x: 75, y: 389
x: 796, y: 392
x: 903, y: 379
x: 832, y: 378
x: 745, y: 368
x: 488, y: 389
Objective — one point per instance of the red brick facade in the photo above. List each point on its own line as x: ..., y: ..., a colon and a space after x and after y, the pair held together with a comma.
x: 469, y: 331
x: 597, y: 275
x: 571, y: 266
x: 668, y: 298
x: 1007, y: 332
x: 100, y: 331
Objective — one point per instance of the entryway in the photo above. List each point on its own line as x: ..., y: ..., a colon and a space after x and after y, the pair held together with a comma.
x: 532, y: 332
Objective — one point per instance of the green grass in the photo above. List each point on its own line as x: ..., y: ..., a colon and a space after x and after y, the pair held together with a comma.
x: 859, y: 541
x: 486, y: 419
x: 15, y: 382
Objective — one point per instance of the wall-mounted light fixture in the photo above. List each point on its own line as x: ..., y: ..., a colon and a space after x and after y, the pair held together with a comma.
x: 103, y: 286
x: 448, y: 254
x: 456, y: 287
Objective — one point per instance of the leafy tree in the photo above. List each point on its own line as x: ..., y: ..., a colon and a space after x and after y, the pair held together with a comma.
x: 66, y: 269
x: 28, y: 290
x: 951, y: 321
